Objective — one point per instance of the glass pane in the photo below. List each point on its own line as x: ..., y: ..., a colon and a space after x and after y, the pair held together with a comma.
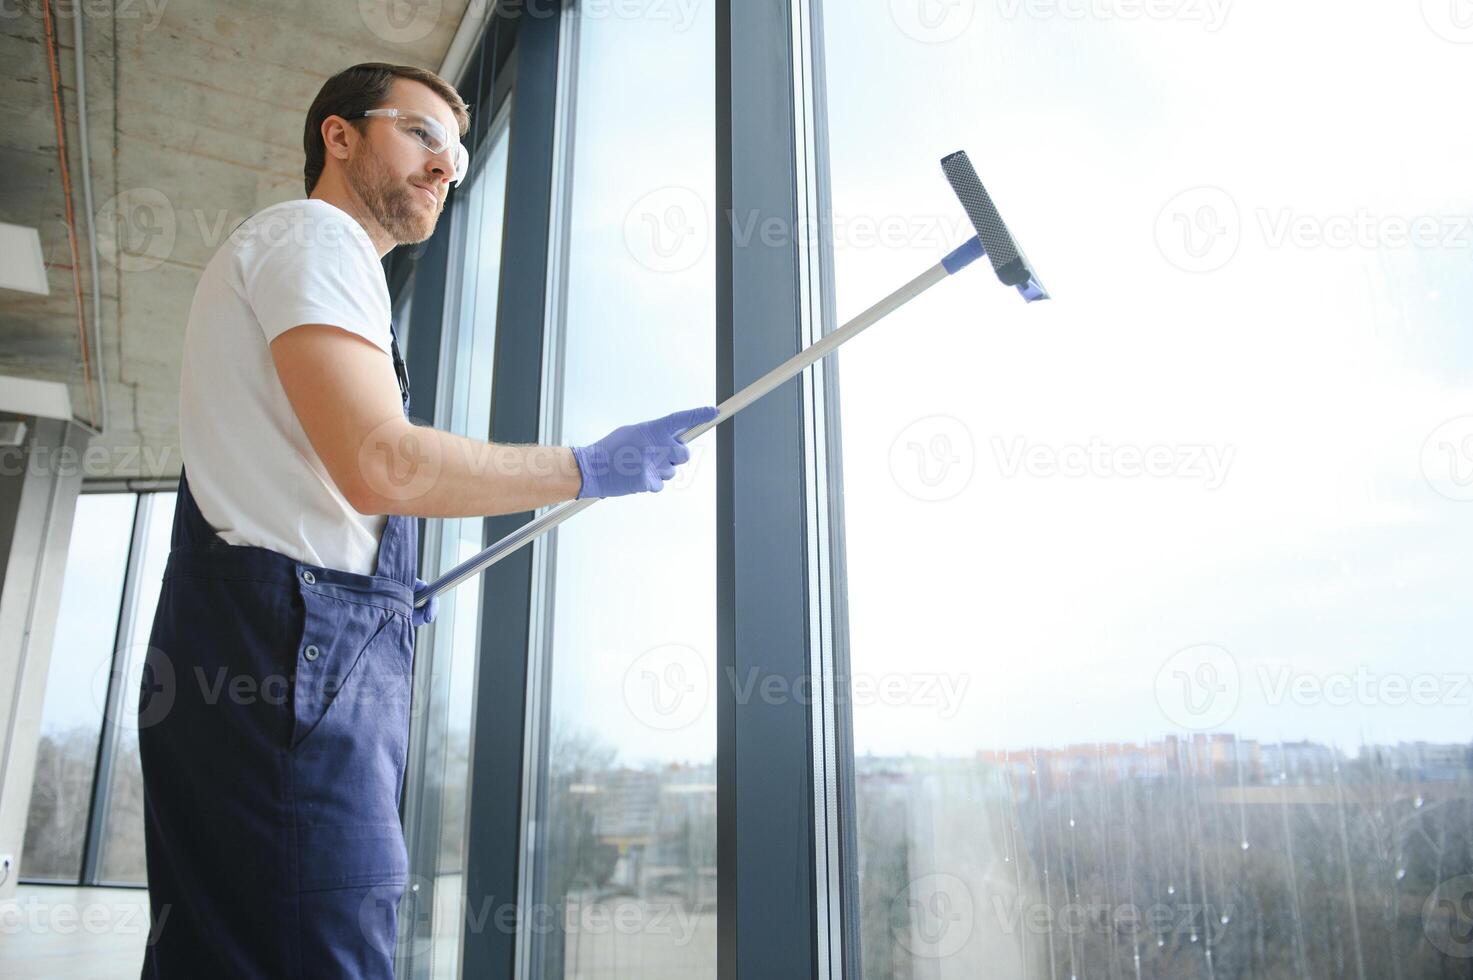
x: 121, y: 859
x: 71, y: 716
x: 626, y: 861
x: 455, y: 635
x: 1158, y: 590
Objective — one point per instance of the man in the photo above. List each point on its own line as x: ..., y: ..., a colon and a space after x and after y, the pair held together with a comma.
x: 274, y: 708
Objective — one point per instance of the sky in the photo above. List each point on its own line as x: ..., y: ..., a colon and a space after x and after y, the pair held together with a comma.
x: 1292, y: 361
x: 97, y: 555
x: 87, y: 618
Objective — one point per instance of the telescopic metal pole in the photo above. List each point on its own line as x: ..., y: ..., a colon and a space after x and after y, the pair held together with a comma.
x: 1007, y: 259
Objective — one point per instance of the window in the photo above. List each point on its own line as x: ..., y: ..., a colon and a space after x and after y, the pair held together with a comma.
x: 85, y: 823
x: 625, y: 867
x: 1157, y: 590
x: 71, y: 718
x: 121, y: 857
x: 452, y: 644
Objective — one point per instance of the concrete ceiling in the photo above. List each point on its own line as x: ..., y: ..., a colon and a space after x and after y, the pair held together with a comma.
x: 194, y: 115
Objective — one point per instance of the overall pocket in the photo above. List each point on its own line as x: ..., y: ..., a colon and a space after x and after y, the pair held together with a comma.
x: 348, y: 650
x: 350, y: 738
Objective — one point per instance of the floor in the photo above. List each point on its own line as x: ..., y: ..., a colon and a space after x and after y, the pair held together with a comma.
x: 62, y: 932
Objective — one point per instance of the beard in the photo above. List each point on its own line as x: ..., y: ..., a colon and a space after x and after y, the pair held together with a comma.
x: 391, y: 201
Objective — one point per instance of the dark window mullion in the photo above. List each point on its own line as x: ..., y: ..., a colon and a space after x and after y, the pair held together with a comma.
x: 485, y: 84
x: 767, y: 895
x: 499, y: 727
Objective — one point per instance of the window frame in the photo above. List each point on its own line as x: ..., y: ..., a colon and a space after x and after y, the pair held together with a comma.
x: 504, y: 713
x: 129, y: 610
x: 428, y: 277
x: 785, y: 772
x: 107, y: 749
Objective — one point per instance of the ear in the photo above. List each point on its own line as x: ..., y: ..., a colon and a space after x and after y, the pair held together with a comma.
x: 338, y: 137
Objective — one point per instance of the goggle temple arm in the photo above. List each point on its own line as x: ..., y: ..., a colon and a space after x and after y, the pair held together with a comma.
x: 462, y: 164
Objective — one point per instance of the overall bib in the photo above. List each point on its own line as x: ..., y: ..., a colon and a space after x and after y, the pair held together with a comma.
x: 273, y: 724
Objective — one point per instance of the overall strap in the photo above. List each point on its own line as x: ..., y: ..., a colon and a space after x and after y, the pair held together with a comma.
x: 398, y: 549
x: 191, y: 531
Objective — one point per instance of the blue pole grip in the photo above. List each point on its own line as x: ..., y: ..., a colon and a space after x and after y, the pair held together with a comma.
x: 968, y: 252
x: 963, y: 255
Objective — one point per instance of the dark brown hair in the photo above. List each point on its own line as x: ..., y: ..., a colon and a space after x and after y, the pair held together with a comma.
x: 354, y: 90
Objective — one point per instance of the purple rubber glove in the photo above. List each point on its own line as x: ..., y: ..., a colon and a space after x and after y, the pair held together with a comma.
x: 425, y: 614
x: 638, y: 457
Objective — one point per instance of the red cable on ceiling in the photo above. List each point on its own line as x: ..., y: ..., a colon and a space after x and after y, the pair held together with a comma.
x: 71, y: 225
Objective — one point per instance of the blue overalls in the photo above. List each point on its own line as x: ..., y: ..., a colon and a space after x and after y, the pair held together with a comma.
x: 273, y: 723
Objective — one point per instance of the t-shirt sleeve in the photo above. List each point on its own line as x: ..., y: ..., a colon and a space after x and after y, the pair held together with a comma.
x: 301, y: 265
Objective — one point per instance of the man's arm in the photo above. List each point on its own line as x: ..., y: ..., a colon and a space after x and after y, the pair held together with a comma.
x: 346, y: 396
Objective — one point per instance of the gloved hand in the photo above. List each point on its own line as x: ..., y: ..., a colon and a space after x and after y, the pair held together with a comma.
x: 422, y: 615
x: 638, y: 457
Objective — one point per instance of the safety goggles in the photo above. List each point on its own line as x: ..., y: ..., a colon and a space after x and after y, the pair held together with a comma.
x: 430, y: 133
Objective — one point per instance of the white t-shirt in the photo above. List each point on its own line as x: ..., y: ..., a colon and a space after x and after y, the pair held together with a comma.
x: 254, y: 474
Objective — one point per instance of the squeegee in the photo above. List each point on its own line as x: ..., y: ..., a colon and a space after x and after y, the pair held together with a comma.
x: 992, y: 239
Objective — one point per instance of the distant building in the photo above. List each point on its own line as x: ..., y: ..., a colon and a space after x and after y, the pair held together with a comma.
x: 1419, y: 761
x: 1299, y: 763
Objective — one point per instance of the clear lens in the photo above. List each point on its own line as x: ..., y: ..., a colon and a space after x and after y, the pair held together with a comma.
x: 432, y: 135
x: 426, y: 129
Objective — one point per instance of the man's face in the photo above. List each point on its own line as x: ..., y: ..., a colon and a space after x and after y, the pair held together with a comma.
x: 402, y: 184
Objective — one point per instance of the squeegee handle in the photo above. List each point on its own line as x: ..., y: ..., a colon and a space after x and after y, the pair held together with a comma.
x: 772, y: 379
